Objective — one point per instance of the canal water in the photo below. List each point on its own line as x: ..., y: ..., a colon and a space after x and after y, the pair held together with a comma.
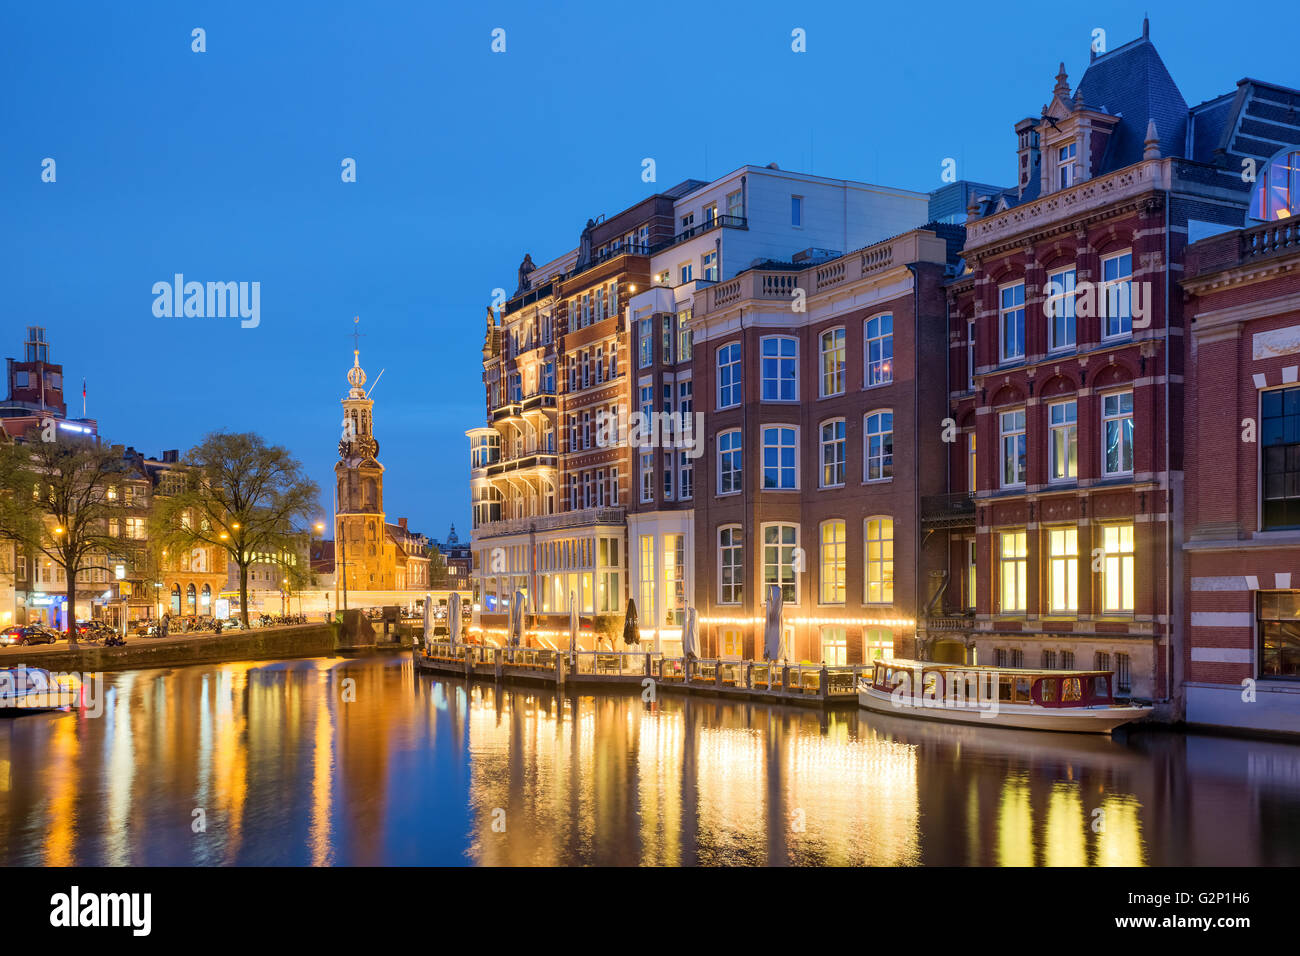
x: 362, y: 761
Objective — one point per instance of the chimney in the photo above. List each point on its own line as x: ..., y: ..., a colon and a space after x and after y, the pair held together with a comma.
x: 1027, y: 155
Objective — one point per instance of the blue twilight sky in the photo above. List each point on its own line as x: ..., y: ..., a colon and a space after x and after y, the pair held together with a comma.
x: 225, y: 165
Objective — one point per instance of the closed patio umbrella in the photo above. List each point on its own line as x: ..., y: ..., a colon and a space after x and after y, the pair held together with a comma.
x: 691, y: 636
x: 453, y: 619
x: 428, y: 620
x: 573, y: 621
x: 517, y: 619
x: 630, y: 633
x: 773, y: 634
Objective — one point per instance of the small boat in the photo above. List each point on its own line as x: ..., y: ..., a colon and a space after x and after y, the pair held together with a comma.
x: 34, y: 690
x: 1069, y: 700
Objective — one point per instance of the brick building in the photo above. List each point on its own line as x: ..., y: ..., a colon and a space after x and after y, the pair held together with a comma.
x: 1242, y: 522
x: 600, y: 332
x: 823, y: 433
x: 1066, y: 363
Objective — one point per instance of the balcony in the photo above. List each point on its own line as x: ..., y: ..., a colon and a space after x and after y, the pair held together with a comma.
x: 507, y: 411
x: 948, y: 511
x: 611, y: 517
x: 950, y: 621
x: 532, y: 460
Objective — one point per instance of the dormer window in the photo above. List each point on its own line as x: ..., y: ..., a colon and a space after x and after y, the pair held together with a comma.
x: 1277, y: 193
x: 1065, y: 165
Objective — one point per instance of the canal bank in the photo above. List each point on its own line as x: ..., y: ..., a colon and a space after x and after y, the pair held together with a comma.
x: 206, y: 647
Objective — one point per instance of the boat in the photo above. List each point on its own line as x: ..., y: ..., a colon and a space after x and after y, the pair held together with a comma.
x: 1058, y: 700
x: 34, y: 690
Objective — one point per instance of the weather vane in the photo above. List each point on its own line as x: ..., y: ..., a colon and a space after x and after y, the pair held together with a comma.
x: 357, y: 333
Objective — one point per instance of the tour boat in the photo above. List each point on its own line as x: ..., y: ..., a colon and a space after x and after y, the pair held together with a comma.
x: 1063, y: 700
x: 32, y: 690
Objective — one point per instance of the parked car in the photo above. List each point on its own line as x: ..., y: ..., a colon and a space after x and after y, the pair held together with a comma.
x: 27, y: 634
x: 230, y: 624
x: 144, y: 628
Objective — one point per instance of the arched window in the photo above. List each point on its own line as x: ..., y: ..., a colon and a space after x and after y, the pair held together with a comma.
x: 205, y: 599
x: 189, y: 599
x: 176, y: 599
x: 878, y: 538
x: 1277, y: 190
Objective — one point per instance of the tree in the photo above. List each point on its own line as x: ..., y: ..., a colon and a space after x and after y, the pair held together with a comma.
x: 55, y: 500
x: 437, y: 569
x: 243, y: 496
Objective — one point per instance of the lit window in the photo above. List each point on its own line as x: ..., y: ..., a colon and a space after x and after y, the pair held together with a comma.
x: 877, y: 644
x: 1015, y: 571
x: 835, y: 646
x: 779, y: 358
x: 832, y: 562
x: 833, y: 362
x: 1277, y: 194
x: 833, y: 453
x: 779, y: 544
x: 1117, y: 567
x: 878, y: 538
x: 1117, y: 427
x: 1279, y: 640
x: 1063, y: 570
x: 879, y: 350
x: 1063, y: 441
x: 878, y: 446
x: 731, y: 566
x: 1014, y: 449
x: 779, y: 454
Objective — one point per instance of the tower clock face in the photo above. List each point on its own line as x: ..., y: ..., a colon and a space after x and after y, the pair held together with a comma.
x: 368, y: 447
x: 345, y: 449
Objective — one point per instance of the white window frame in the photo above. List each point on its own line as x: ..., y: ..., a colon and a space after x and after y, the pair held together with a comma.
x: 780, y: 428
x: 1119, y: 417
x: 1005, y: 311
x: 781, y: 362
x: 883, y: 566
x: 1065, y: 280
x: 836, y: 377
x: 1069, y: 427
x: 836, y: 559
x: 735, y: 386
x: 1124, y: 297
x: 763, y: 552
x: 1011, y: 433
x: 879, y: 371
x: 736, y: 547
x: 1065, y: 562
x: 867, y: 456
x: 739, y: 452
x: 1114, y: 563
x: 842, y: 458
x: 1019, y: 564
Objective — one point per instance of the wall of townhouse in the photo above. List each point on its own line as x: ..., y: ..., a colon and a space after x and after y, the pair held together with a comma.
x: 919, y: 455
x: 1230, y: 557
x: 1093, y: 368
x: 835, y: 215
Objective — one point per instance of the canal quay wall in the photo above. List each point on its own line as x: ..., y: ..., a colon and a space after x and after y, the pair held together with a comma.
x: 800, y: 685
x: 178, y: 650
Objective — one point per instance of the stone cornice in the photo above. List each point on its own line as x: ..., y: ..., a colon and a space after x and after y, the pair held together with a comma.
x: 1066, y: 211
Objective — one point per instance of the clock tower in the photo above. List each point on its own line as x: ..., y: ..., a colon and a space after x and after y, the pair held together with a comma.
x: 359, y: 484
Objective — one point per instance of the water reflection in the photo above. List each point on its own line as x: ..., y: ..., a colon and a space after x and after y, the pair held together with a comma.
x: 337, y: 761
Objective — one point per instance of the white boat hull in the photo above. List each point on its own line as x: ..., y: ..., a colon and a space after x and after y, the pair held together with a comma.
x: 1079, y: 720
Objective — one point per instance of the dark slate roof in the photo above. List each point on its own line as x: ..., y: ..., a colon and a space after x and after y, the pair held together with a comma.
x: 1131, y: 82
